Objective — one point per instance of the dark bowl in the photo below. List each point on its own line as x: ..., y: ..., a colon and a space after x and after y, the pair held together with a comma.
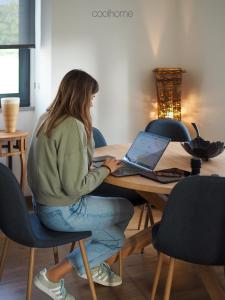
x: 203, y: 149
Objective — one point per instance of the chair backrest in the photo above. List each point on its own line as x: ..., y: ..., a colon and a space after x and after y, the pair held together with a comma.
x: 173, y: 129
x: 98, y: 138
x: 14, y: 218
x: 193, y: 223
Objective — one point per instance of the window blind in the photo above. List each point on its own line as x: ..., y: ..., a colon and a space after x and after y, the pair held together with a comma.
x: 17, y: 24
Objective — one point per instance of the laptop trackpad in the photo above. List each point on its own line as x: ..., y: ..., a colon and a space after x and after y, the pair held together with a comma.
x: 126, y: 170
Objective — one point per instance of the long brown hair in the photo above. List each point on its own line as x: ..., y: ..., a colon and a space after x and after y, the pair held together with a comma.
x: 72, y: 99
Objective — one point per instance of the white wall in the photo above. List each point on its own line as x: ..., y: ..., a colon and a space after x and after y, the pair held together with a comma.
x: 202, y: 42
x: 43, y: 56
x: 120, y: 52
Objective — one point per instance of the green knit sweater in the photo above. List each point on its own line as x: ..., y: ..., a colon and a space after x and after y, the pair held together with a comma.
x: 59, y: 167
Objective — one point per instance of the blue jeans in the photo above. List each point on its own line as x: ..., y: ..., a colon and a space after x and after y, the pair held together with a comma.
x: 106, y: 217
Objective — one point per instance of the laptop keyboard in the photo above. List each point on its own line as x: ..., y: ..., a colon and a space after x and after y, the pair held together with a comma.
x: 127, y: 170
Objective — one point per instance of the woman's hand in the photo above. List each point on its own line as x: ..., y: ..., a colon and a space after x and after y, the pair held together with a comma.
x: 113, y: 164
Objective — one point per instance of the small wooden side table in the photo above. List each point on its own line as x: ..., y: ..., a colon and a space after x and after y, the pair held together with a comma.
x: 14, y: 144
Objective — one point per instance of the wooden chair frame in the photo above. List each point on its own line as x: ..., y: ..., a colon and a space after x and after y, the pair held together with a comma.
x: 31, y: 267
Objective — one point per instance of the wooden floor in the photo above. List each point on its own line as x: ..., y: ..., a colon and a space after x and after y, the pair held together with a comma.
x: 138, y: 276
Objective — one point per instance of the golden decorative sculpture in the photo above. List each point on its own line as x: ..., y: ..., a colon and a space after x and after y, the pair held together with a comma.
x: 168, y: 85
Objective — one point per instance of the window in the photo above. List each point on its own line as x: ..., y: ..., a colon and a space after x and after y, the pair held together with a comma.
x: 17, y: 34
x: 15, y: 74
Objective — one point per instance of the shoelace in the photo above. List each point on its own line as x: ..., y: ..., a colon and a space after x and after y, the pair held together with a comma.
x: 60, y: 292
x: 104, y: 267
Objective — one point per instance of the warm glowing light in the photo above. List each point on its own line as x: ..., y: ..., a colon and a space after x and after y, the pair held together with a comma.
x: 169, y: 115
x: 168, y: 84
x: 191, y: 107
x: 153, y: 109
x: 155, y: 25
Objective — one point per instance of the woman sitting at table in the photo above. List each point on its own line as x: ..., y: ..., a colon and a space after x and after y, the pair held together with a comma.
x: 61, y: 178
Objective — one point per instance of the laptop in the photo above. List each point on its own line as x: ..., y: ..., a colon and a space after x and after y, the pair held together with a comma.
x: 143, y: 156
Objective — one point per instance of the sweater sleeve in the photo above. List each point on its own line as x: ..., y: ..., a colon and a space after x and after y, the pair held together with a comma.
x: 73, y: 164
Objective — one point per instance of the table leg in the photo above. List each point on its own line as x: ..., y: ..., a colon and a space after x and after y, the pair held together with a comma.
x: 135, y: 243
x: 153, y: 199
x: 23, y: 164
x: 149, y: 217
x: 10, y: 146
x: 211, y: 282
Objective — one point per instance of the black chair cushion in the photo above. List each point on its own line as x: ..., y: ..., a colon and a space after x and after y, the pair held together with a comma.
x: 193, y: 224
x: 45, y: 238
x: 23, y: 227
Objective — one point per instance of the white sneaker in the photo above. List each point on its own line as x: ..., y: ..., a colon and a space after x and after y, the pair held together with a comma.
x: 103, y: 275
x: 54, y: 290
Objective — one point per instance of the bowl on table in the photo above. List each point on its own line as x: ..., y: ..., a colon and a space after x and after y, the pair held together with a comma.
x: 201, y: 148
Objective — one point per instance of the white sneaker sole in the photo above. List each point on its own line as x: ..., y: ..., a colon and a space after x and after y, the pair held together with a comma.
x: 41, y: 287
x: 101, y: 282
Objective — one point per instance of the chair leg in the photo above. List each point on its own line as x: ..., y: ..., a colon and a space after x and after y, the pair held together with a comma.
x: 3, y: 257
x: 149, y: 216
x: 141, y: 216
x: 157, y: 275
x: 169, y: 280
x: 87, y: 269
x: 72, y: 246
x: 146, y: 223
x: 56, y: 255
x: 121, y: 263
x: 30, y: 274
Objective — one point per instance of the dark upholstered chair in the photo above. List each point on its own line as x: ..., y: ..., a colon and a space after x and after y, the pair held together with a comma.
x: 106, y: 189
x: 98, y: 138
x: 173, y: 129
x: 192, y: 227
x: 25, y: 228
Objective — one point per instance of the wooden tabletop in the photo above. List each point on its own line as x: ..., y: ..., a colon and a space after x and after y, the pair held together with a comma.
x: 174, y: 157
x: 18, y: 134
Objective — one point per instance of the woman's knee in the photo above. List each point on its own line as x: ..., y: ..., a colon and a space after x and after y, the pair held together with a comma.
x: 112, y: 237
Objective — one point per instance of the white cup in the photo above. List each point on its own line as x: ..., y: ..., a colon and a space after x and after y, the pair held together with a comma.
x: 10, y: 109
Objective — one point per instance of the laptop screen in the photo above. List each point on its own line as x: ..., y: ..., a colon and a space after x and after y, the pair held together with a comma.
x: 147, y: 149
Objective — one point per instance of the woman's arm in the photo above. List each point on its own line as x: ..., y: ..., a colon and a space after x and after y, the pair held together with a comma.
x: 73, y: 163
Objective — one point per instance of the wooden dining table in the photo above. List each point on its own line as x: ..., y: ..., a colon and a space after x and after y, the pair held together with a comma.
x: 174, y: 157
